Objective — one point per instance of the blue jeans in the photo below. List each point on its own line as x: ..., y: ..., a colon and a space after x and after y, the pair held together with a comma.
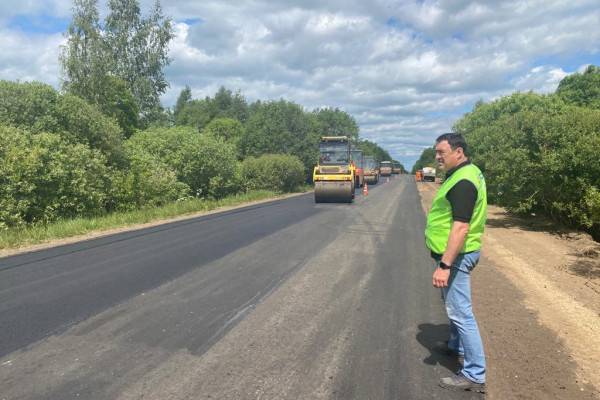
x: 464, y: 333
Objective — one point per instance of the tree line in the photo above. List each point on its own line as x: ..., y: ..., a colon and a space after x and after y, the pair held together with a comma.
x: 539, y: 153
x: 103, y: 143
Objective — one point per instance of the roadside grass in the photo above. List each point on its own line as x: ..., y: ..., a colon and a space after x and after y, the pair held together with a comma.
x: 34, y: 234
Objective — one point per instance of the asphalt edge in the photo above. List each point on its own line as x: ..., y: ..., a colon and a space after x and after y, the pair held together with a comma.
x: 135, y: 227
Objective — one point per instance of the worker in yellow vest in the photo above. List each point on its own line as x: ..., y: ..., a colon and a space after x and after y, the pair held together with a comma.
x: 453, y: 235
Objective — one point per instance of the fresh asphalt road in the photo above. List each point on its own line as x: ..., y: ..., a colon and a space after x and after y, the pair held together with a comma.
x: 282, y: 300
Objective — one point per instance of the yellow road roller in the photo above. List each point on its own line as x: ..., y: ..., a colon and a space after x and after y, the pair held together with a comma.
x: 371, y: 170
x: 335, y: 174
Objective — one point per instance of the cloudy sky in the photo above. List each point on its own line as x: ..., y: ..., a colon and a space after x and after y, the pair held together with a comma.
x: 405, y: 69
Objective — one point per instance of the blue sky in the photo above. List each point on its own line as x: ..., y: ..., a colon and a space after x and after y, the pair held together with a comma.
x: 406, y: 70
x: 38, y: 24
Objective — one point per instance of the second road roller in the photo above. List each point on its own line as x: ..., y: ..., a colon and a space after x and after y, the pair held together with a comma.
x: 335, y: 174
x: 358, y: 161
x: 371, y: 170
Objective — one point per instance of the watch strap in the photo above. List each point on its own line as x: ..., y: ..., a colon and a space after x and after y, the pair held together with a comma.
x: 443, y: 265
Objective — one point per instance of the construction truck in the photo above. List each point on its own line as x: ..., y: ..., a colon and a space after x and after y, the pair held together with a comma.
x: 371, y: 170
x: 429, y: 174
x: 335, y: 175
x: 396, y: 169
x: 358, y: 161
x: 385, y: 168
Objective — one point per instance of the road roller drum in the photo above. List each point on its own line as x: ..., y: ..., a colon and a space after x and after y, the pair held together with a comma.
x: 334, y: 192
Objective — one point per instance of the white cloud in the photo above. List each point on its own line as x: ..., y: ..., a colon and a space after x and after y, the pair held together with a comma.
x: 542, y: 79
x: 30, y: 57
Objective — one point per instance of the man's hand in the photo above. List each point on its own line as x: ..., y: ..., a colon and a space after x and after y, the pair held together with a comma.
x: 440, y: 277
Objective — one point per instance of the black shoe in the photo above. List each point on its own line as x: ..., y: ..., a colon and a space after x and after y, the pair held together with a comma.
x: 460, y: 383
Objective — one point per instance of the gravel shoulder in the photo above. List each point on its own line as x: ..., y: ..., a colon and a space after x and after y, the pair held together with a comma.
x: 537, y: 299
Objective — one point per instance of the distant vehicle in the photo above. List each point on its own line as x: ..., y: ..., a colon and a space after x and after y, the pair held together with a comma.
x: 396, y: 169
x: 429, y: 174
x: 385, y: 168
x: 371, y: 170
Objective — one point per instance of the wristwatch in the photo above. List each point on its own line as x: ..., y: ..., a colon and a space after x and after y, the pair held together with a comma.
x: 443, y: 265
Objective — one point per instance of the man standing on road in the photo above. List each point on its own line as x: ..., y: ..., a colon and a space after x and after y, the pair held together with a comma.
x: 453, y: 235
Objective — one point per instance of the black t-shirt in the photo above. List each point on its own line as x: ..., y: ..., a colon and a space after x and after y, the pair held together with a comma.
x: 462, y: 197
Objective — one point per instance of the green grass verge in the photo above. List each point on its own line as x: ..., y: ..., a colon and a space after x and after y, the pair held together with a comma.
x: 18, y: 237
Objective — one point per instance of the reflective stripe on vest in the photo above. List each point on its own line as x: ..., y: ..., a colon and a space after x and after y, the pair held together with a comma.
x: 439, y: 219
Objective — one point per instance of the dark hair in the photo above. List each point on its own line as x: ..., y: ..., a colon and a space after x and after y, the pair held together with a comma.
x: 455, y: 140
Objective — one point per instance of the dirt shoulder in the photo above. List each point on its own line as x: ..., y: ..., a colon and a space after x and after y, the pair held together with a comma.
x: 536, y: 295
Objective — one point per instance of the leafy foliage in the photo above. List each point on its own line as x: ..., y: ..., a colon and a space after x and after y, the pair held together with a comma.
x: 206, y: 164
x: 281, y: 127
x: 427, y: 159
x: 147, y: 182
x: 272, y: 127
x: 116, y: 100
x: 225, y: 104
x: 84, y: 57
x: 28, y: 105
x: 539, y: 154
x: 582, y: 89
x: 83, y: 123
x: 227, y: 129
x: 37, y: 108
x: 278, y: 172
x: 43, y: 178
x: 184, y: 98
x: 139, y: 50
x: 122, y: 59
x: 334, y: 122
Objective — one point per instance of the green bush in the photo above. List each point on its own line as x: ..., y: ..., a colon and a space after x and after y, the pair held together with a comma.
x: 146, y: 183
x: 582, y: 89
x: 282, y: 127
x: 43, y: 178
x: 83, y: 123
x: 28, y: 105
x: 207, y: 165
x: 278, y: 172
x: 37, y: 108
x: 227, y: 129
x: 539, y: 154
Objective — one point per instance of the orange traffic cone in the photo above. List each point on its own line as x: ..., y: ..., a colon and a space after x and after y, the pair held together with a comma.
x: 365, y: 189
